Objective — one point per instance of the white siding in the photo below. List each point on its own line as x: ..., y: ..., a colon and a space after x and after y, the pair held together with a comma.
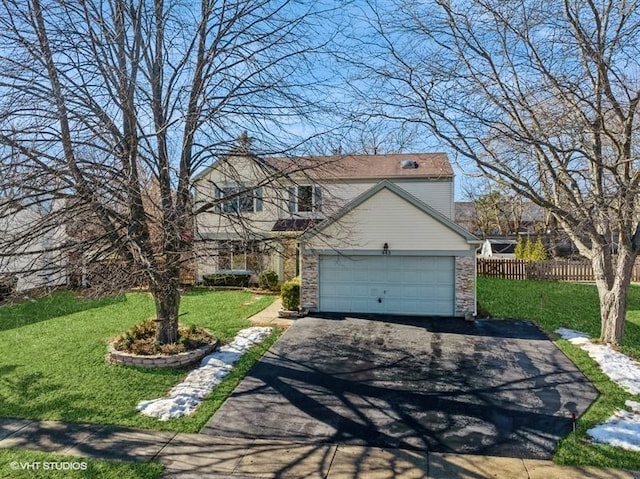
x: 32, y: 267
x: 388, y: 218
x: 437, y: 194
x: 244, y: 172
x: 335, y: 195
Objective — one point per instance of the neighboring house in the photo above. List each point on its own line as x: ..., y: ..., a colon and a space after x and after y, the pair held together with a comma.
x: 508, y: 219
x: 498, y: 248
x: 503, y: 227
x: 367, y: 233
x: 27, y: 260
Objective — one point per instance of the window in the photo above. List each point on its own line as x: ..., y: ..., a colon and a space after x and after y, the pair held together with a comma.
x: 304, y: 198
x: 239, y: 256
x: 240, y: 201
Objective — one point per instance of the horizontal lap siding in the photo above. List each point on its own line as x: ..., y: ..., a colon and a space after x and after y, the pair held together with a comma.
x: 437, y: 194
x: 387, y: 218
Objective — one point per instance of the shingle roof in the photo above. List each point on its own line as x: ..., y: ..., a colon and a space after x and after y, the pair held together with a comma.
x: 467, y: 211
x: 427, y: 165
x: 503, y: 246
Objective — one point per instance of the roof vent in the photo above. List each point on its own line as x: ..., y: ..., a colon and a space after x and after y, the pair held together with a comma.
x: 408, y: 164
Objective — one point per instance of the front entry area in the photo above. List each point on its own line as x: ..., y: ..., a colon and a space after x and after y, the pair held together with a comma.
x: 387, y: 284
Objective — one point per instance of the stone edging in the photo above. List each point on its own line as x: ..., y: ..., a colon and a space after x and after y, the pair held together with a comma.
x: 287, y: 314
x: 159, y: 360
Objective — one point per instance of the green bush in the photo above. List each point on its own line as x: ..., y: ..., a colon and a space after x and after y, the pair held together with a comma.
x: 530, y: 251
x: 268, y: 279
x: 7, y: 287
x: 227, y: 279
x: 519, y: 251
x: 538, y: 253
x: 290, y: 293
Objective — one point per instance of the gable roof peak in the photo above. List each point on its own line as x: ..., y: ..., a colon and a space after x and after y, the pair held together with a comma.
x: 403, y: 194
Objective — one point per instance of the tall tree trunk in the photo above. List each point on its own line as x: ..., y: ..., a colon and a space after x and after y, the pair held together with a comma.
x: 167, y: 299
x: 613, y: 283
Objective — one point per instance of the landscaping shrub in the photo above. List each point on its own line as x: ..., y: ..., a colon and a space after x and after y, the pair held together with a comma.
x: 538, y: 253
x: 268, y: 279
x: 529, y: 251
x: 290, y: 293
x: 227, y: 279
x: 140, y: 339
x: 519, y: 250
x: 7, y: 287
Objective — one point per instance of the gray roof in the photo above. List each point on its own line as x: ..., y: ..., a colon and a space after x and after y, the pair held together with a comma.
x: 466, y: 211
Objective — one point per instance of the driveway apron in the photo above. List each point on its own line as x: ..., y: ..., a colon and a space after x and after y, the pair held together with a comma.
x: 488, y: 387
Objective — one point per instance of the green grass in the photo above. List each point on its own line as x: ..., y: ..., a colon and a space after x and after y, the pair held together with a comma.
x: 553, y: 305
x: 13, y: 464
x: 53, y: 356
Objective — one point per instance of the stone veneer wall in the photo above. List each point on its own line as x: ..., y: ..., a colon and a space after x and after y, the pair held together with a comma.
x: 309, y: 281
x: 289, y: 259
x: 465, y: 285
x: 465, y: 274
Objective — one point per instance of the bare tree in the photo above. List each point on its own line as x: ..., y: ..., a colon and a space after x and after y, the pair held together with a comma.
x: 497, y: 212
x: 542, y: 97
x: 108, y: 108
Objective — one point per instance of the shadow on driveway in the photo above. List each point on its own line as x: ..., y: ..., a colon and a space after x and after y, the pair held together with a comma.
x: 497, y: 388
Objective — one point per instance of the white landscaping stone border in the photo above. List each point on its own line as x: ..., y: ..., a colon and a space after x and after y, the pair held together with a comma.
x: 184, y: 398
x: 623, y: 428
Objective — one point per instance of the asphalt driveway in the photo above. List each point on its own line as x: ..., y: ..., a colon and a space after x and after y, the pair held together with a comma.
x: 489, y: 387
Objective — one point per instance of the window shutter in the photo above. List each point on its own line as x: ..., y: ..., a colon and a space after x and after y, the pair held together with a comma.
x: 258, y: 199
x: 292, y: 199
x: 317, y: 198
x: 217, y: 195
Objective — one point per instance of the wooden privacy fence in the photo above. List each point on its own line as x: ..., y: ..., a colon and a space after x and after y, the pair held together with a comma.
x: 558, y: 270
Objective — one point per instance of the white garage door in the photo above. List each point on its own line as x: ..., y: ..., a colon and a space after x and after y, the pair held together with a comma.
x: 414, y: 285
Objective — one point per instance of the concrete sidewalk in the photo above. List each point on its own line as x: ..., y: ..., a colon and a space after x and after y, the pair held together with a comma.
x: 269, y: 316
x: 196, y: 456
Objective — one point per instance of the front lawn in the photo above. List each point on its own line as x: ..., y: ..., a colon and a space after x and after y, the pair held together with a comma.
x: 53, y: 365
x: 575, y: 306
x: 19, y: 464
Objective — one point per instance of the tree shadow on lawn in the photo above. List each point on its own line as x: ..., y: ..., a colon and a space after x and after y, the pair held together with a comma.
x: 57, y: 304
x: 55, y: 401
x: 631, y: 340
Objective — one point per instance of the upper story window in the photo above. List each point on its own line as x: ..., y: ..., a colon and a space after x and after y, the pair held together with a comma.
x: 304, y: 198
x: 239, y: 200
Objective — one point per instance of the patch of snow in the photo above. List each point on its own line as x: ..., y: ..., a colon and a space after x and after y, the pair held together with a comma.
x: 620, y: 368
x: 573, y: 336
x: 185, y: 397
x: 623, y: 428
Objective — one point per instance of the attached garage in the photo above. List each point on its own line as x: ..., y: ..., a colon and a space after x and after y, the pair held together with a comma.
x: 388, y: 252
x: 411, y: 285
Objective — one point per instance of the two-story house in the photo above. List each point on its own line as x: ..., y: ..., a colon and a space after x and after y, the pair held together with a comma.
x: 29, y: 260
x: 366, y: 233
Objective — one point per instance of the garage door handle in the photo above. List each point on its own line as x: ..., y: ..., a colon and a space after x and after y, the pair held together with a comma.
x: 379, y: 300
